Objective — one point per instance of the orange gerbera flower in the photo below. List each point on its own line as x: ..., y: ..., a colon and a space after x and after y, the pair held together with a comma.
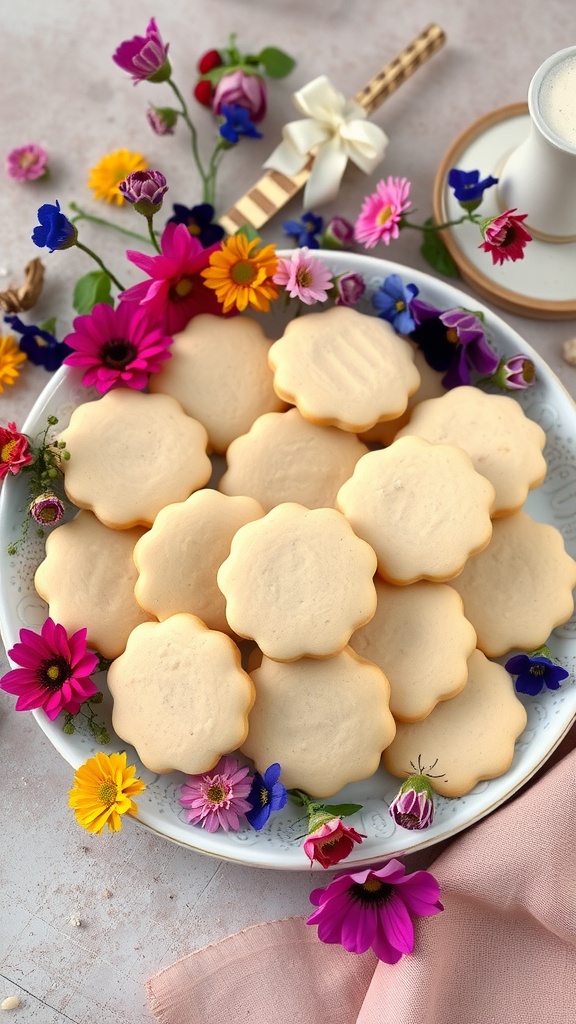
x: 111, y: 170
x: 241, y: 274
x: 103, y: 789
x: 11, y: 358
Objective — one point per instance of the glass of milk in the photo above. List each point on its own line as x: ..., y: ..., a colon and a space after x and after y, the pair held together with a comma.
x: 539, y: 177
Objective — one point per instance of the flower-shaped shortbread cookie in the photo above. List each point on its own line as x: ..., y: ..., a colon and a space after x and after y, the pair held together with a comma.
x: 87, y: 579
x: 466, y: 739
x: 298, y: 582
x: 421, y: 640
x: 283, y: 457
x: 344, y: 369
x: 219, y: 372
x: 519, y: 588
x: 503, y: 443
x: 131, y: 454
x: 326, y: 722
x: 179, y: 557
x: 180, y: 695
x: 422, y: 507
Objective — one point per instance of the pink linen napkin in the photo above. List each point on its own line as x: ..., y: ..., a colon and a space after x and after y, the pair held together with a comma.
x: 502, y: 952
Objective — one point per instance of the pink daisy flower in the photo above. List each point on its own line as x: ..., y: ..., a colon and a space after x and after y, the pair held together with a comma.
x: 505, y: 237
x: 375, y: 909
x: 14, y: 451
x: 216, y: 799
x: 117, y: 347
x: 55, y: 672
x: 304, y: 277
x: 27, y: 163
x: 176, y: 292
x: 382, y: 211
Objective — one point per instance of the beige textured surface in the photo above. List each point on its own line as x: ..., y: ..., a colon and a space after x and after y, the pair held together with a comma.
x: 60, y: 88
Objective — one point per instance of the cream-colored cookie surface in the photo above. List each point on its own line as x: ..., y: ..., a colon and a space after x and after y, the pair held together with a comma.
x: 180, y: 696
x: 178, y: 558
x: 219, y: 372
x: 421, y: 506
x: 87, y: 578
x: 132, y: 453
x: 520, y: 588
x: 326, y: 722
x: 344, y: 369
x: 284, y: 457
x: 421, y: 640
x: 466, y: 739
x: 503, y: 443
x: 430, y: 387
x: 298, y: 582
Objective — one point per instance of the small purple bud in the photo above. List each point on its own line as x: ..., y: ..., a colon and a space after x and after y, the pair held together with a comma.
x: 413, y: 808
x: 338, y: 234
x: 47, y: 509
x: 350, y: 288
x: 145, y: 190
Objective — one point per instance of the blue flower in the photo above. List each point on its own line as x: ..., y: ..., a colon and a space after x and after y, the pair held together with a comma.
x: 55, y: 231
x: 392, y: 300
x: 198, y: 220
x: 535, y: 671
x: 266, y: 795
x: 468, y: 189
x: 237, y: 123
x: 305, y: 230
x: 39, y: 344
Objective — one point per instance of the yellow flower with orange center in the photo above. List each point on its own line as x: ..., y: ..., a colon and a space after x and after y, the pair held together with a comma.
x: 241, y: 274
x: 103, y: 789
x: 111, y: 170
x: 11, y: 357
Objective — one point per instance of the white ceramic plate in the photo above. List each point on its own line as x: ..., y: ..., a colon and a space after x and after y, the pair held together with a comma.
x: 278, y: 845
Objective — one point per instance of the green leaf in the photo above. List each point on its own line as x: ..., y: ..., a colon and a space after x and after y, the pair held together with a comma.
x: 91, y: 289
x: 249, y: 232
x: 434, y: 251
x: 276, y: 63
x: 342, y: 810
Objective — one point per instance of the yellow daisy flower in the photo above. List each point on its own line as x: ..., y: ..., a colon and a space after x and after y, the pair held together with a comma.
x: 241, y: 274
x: 10, y: 359
x: 103, y: 787
x: 112, y: 169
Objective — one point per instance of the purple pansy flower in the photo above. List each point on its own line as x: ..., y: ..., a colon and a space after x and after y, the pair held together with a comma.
x: 39, y: 344
x: 237, y: 123
x: 453, y: 341
x: 54, y: 231
x: 304, y: 231
x: 468, y: 188
x: 535, y: 671
x: 266, y: 795
x: 199, y: 221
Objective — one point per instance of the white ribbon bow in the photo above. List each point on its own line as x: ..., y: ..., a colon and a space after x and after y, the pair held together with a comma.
x: 334, y: 131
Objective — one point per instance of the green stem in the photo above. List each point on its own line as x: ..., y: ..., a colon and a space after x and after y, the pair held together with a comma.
x: 152, y: 233
x: 213, y: 168
x: 82, y: 215
x: 97, y: 259
x: 194, y: 140
x: 440, y: 227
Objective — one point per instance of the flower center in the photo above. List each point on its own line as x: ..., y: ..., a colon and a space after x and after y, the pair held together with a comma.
x: 452, y: 336
x: 406, y: 820
x: 243, y: 272
x: 264, y: 796
x: 384, y: 215
x: 400, y: 306
x: 304, y: 277
x: 27, y: 159
x: 216, y: 793
x: 107, y: 792
x: 118, y: 353
x: 193, y: 227
x: 372, y: 891
x: 6, y: 451
x: 53, y: 672
x: 537, y: 670
x: 182, y: 289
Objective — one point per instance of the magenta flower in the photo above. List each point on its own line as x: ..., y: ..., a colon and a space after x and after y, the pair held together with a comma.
x: 55, y: 673
x: 217, y: 798
x: 176, y: 292
x: 331, y: 842
x: 338, y: 234
x: 349, y: 289
x: 505, y: 237
x: 373, y: 909
x: 453, y: 341
x: 145, y: 58
x: 117, y: 347
x: 146, y: 189
x: 47, y: 509
x: 27, y: 163
x: 514, y: 374
x: 413, y: 808
x: 241, y: 90
x: 14, y: 451
x: 381, y: 213
x: 304, y: 277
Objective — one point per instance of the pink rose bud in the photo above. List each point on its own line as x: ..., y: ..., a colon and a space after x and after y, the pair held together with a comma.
x: 331, y: 843
x: 248, y: 91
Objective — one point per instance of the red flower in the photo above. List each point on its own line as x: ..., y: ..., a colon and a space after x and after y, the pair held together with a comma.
x: 14, y: 451
x: 331, y: 843
x: 505, y: 237
x: 209, y: 60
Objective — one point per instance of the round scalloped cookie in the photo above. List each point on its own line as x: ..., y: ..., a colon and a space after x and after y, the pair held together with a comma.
x: 430, y: 387
x: 519, y: 588
x: 178, y: 558
x: 284, y: 457
x: 219, y: 372
x: 131, y: 454
x: 298, y: 582
x: 466, y: 739
x: 342, y: 368
x: 421, y: 640
x: 421, y: 506
x: 87, y: 578
x: 326, y: 722
x: 503, y: 443
x: 180, y: 695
